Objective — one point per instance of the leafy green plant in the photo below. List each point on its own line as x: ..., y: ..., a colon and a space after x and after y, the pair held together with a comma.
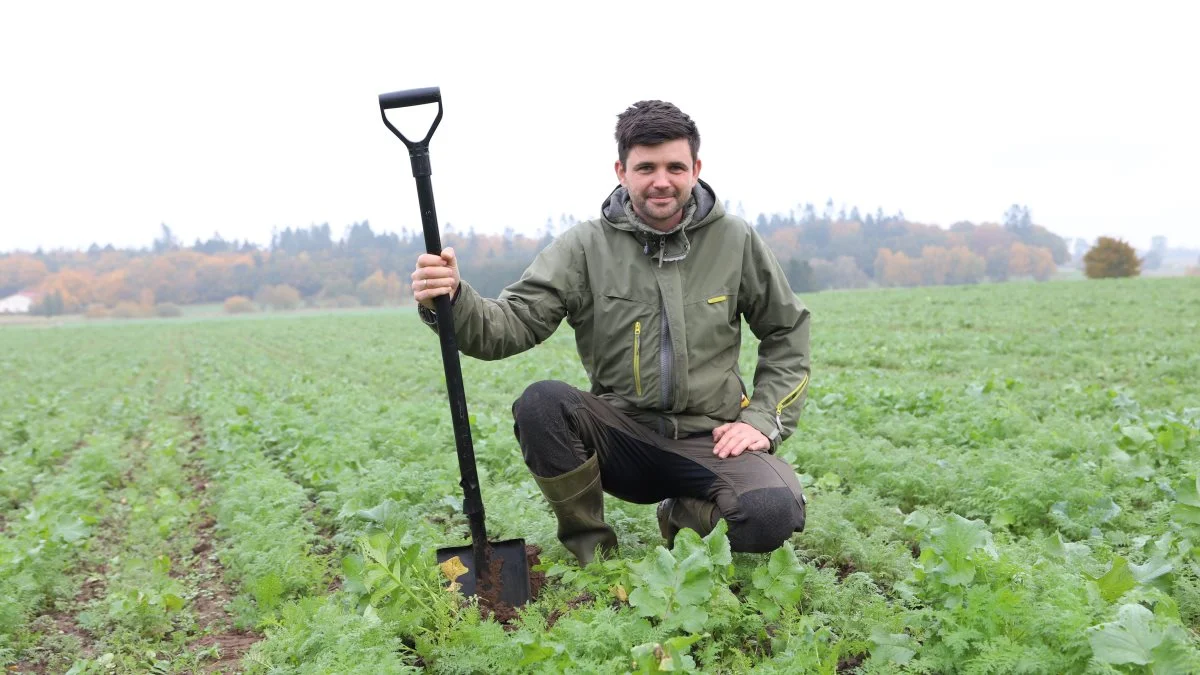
x: 604, y: 576
x: 674, y: 586
x: 897, y: 648
x: 538, y: 649
x: 392, y: 578
x: 953, y: 551
x: 1185, y: 513
x: 1138, y: 638
x: 670, y: 656
x: 809, y: 647
x: 778, y: 584
x: 1122, y: 576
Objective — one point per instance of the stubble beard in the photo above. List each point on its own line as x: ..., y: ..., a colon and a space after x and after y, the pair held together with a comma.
x: 653, y: 214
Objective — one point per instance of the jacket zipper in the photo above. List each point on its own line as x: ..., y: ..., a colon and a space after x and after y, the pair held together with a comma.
x: 637, y: 356
x: 666, y: 357
x: 788, y: 400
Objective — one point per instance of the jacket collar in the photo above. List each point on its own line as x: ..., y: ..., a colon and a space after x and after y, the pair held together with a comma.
x: 670, y: 246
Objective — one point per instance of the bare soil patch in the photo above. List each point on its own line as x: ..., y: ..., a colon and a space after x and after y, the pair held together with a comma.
x: 212, y: 597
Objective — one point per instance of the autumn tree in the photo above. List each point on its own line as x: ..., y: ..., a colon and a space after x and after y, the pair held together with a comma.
x: 935, y: 264
x: 965, y: 266
x: 395, y: 289
x: 282, y: 297
x: 1041, y: 264
x: 111, y: 288
x: 845, y: 273
x: 20, y: 271
x: 1111, y: 258
x: 997, y: 263
x: 373, y: 291
x: 71, y: 287
x: 239, y: 304
x: 895, y: 268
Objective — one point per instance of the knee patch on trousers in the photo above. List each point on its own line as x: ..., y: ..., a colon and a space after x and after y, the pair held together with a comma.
x: 766, y: 519
x: 542, y: 428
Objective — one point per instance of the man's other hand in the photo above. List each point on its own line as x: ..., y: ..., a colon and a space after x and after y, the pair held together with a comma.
x: 735, y: 438
x: 435, y: 275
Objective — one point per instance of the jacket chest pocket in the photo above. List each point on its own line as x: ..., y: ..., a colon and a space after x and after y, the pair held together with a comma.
x: 625, y: 343
x: 713, y: 326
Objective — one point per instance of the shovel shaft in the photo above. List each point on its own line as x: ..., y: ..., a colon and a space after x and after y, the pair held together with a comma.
x: 472, y: 499
x: 418, y: 154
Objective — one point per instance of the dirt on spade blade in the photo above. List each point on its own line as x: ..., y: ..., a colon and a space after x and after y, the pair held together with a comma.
x: 489, y: 598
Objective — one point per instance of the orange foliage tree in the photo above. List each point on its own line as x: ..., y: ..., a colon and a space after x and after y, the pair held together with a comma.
x: 896, y: 269
x: 1111, y: 258
x: 19, y: 272
x: 1041, y: 264
x: 73, y: 286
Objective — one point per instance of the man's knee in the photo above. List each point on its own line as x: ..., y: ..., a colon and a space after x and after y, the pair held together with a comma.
x: 767, y: 518
x: 539, y: 402
x: 542, y: 429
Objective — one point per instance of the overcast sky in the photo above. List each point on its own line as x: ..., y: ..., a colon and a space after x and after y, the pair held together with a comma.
x: 241, y: 117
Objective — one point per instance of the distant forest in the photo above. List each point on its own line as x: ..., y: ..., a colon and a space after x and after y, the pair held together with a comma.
x: 306, y: 266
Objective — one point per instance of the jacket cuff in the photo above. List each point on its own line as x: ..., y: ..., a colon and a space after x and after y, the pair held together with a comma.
x: 429, y: 316
x: 766, y: 425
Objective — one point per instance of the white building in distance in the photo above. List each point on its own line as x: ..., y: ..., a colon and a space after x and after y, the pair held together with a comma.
x: 17, y: 303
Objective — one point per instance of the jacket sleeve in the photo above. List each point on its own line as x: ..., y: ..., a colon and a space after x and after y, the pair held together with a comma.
x: 527, y: 312
x: 781, y: 323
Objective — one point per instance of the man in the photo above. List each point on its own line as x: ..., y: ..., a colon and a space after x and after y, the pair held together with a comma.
x: 656, y: 289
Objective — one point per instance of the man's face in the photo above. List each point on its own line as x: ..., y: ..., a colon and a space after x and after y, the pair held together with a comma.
x: 659, y: 179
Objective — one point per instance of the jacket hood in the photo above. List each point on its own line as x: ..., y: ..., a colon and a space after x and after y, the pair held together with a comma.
x: 670, y: 246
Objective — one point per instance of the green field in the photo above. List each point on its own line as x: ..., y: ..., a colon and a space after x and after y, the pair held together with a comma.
x: 1002, y: 479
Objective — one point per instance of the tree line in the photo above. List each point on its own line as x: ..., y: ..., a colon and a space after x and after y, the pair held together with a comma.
x: 364, y: 267
x: 848, y: 250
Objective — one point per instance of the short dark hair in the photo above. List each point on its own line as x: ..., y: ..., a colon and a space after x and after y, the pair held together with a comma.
x: 652, y: 123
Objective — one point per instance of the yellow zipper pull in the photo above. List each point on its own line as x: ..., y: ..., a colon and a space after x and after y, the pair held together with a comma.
x: 637, y: 357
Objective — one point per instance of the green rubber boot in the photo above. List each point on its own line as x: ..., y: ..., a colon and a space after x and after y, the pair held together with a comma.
x: 578, y: 501
x: 677, y: 513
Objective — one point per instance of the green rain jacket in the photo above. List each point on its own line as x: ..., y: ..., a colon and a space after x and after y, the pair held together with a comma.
x: 658, y: 318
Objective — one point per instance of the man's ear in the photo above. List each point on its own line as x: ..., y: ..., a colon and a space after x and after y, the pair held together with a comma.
x: 696, y: 169
x: 619, y: 168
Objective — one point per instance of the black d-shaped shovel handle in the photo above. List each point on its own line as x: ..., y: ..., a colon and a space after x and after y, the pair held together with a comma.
x: 418, y: 152
x: 408, y: 97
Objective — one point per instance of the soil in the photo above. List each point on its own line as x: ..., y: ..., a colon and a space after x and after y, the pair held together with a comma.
x: 845, y: 569
x: 231, y: 645
x: 214, y: 623
x: 489, y: 598
x: 489, y: 595
x: 109, y: 537
x: 572, y: 604
x: 849, y: 663
x: 536, y: 579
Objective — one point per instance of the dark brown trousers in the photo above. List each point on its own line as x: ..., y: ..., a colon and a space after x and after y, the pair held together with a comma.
x: 559, y: 427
